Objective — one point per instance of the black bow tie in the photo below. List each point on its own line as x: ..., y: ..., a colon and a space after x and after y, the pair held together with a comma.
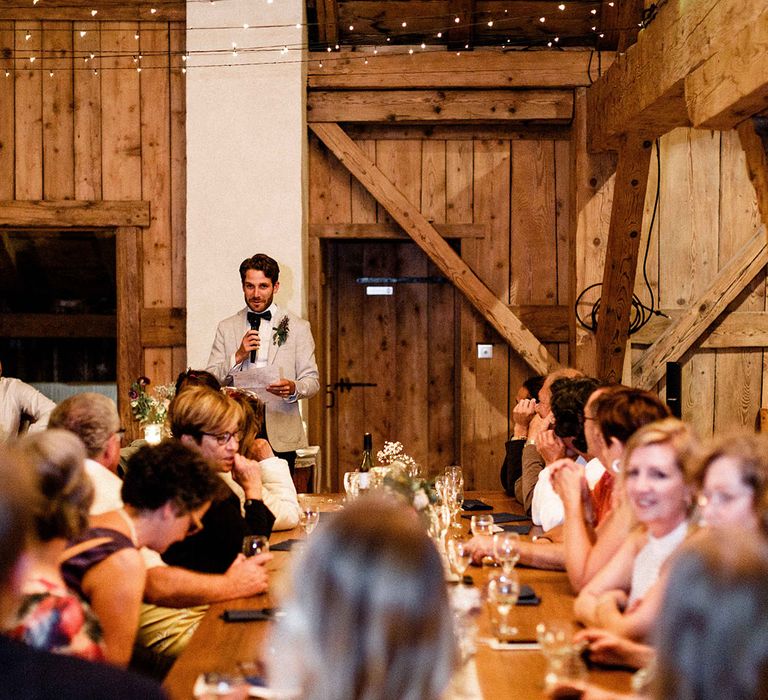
x: 255, y: 318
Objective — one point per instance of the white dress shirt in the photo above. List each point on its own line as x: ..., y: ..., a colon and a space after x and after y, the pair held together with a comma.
x: 17, y: 398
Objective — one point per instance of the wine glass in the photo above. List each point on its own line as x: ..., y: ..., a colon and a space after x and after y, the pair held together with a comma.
x: 506, y: 550
x: 459, y: 554
x: 564, y: 662
x: 309, y: 516
x: 503, y: 592
x: 481, y: 524
x: 255, y: 544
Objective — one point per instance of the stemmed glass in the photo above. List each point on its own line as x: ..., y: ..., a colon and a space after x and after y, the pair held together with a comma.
x: 454, y: 480
x: 481, y: 524
x: 255, y: 544
x: 309, y: 516
x: 503, y: 592
x: 564, y: 662
x: 459, y: 554
x: 506, y: 550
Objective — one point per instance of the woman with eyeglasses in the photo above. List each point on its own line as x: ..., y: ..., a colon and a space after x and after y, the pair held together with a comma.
x: 165, y: 493
x: 210, y: 422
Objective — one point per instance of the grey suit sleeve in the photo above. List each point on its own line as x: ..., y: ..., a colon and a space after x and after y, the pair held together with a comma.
x: 307, y: 377
x: 219, y: 359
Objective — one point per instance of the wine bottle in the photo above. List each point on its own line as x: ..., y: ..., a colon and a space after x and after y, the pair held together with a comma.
x: 364, y: 477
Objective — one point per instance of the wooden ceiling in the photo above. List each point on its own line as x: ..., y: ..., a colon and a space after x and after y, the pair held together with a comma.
x: 466, y: 24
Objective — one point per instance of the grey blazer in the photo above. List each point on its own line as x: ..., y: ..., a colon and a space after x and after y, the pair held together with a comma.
x: 296, y: 356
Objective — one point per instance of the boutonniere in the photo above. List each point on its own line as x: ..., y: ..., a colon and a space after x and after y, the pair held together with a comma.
x: 280, y: 334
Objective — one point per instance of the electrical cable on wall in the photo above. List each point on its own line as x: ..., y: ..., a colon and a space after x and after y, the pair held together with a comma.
x: 641, y: 313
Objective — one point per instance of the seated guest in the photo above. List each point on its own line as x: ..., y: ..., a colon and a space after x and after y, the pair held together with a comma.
x: 19, y: 400
x: 175, y: 598
x: 522, y: 415
x: 27, y: 672
x: 278, y: 490
x: 210, y: 422
x: 731, y: 474
x: 624, y: 595
x: 196, y: 377
x: 543, y: 446
x: 369, y: 615
x: 569, y: 396
x: 166, y: 491
x: 52, y: 617
x: 712, y: 624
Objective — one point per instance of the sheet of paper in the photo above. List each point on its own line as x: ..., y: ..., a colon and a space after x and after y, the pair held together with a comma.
x: 257, y: 379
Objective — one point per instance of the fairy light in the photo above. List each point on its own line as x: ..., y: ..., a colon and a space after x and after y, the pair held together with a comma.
x: 490, y: 23
x: 298, y: 25
x: 423, y: 45
x: 7, y: 73
x: 404, y: 24
x: 95, y: 72
x: 561, y: 7
x: 439, y: 35
x: 185, y: 57
x: 92, y: 55
x: 246, y: 26
x: 365, y: 61
x: 593, y: 11
x: 320, y: 64
x: 549, y: 43
x: 351, y: 27
x: 32, y: 59
x: 94, y: 13
x: 153, y: 10
x: 457, y: 20
x: 410, y: 52
x: 28, y: 35
x: 328, y: 49
x: 610, y: 4
x: 375, y: 50
x: 557, y: 38
x: 83, y: 32
x: 601, y: 35
x: 542, y: 19
x: 34, y: 2
x: 138, y: 70
x: 594, y: 29
x: 136, y: 36
x: 50, y: 74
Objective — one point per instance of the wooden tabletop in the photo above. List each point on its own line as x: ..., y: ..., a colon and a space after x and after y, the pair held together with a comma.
x: 220, y: 646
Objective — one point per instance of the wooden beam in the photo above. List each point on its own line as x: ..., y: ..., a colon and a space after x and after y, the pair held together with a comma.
x: 550, y: 324
x: 327, y: 22
x: 398, y: 106
x: 482, y: 68
x: 621, y: 257
x: 28, y: 325
x: 72, y: 213
x: 163, y: 327
x: 684, y: 332
x: 739, y: 329
x: 753, y: 134
x: 112, y: 10
x: 732, y: 83
x: 460, y: 34
x: 430, y: 241
x: 644, y: 90
x: 513, y: 131
x: 392, y: 230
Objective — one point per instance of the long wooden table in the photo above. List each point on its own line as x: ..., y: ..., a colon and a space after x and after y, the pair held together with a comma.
x: 220, y: 646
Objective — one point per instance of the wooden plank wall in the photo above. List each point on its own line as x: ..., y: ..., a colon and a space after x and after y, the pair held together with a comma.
x: 518, y: 187
x: 707, y: 211
x: 113, y: 134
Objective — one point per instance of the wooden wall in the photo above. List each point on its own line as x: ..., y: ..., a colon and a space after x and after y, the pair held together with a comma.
x: 514, y: 186
x: 112, y: 134
x: 707, y: 212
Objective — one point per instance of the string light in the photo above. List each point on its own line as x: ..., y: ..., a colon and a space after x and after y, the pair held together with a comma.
x: 423, y: 45
x: 7, y: 73
x: 351, y: 27
x: 153, y: 10
x: 410, y: 52
x: 50, y: 74
x: 439, y: 35
x: 28, y: 35
x: 490, y: 23
x: 136, y: 36
x: 138, y: 70
x: 94, y: 13
x: 561, y: 7
x: 593, y: 11
x: 246, y: 26
x: 32, y: 59
x: 542, y: 19
x: 456, y: 19
x: 404, y: 24
x: 83, y: 32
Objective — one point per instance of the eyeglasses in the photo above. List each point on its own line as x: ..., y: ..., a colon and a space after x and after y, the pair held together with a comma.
x: 719, y: 499
x: 224, y: 438
x: 195, y: 524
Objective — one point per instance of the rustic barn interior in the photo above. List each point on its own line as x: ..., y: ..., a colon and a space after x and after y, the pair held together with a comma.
x: 497, y: 159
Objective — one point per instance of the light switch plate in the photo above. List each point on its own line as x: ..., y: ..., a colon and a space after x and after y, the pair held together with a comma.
x: 484, y: 351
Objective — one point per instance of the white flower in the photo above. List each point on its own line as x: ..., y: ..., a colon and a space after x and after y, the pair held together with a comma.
x: 420, y: 500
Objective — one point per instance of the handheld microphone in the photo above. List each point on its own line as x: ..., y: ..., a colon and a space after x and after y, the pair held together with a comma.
x: 255, y: 323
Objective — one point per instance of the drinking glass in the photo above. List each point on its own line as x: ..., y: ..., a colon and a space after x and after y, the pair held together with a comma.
x: 506, y: 550
x: 564, y: 662
x: 351, y: 485
x: 459, y: 554
x: 255, y: 544
x: 481, y: 524
x: 502, y: 594
x: 309, y: 516
x: 441, y: 484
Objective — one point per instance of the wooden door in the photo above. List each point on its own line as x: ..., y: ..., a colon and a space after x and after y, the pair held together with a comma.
x: 404, y: 343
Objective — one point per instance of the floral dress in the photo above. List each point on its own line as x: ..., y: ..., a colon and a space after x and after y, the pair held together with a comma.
x: 53, y: 618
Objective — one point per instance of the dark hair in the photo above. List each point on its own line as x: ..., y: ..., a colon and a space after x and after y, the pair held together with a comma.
x: 569, y: 396
x: 253, y: 417
x: 621, y: 411
x: 262, y: 262
x: 167, y: 472
x: 196, y: 377
x: 712, y: 631
x: 533, y: 386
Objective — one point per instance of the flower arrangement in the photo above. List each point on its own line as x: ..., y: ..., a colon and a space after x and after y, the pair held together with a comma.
x: 404, y: 477
x: 150, y: 408
x: 280, y: 334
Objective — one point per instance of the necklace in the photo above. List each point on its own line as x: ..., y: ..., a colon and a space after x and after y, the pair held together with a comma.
x: 130, y: 524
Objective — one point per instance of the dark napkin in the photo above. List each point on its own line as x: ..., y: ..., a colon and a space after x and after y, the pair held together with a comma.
x: 475, y: 504
x: 528, y: 596
x: 519, y: 529
x: 499, y: 518
x: 284, y: 546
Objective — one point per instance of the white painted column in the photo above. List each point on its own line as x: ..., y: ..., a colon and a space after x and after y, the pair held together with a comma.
x: 246, y: 149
